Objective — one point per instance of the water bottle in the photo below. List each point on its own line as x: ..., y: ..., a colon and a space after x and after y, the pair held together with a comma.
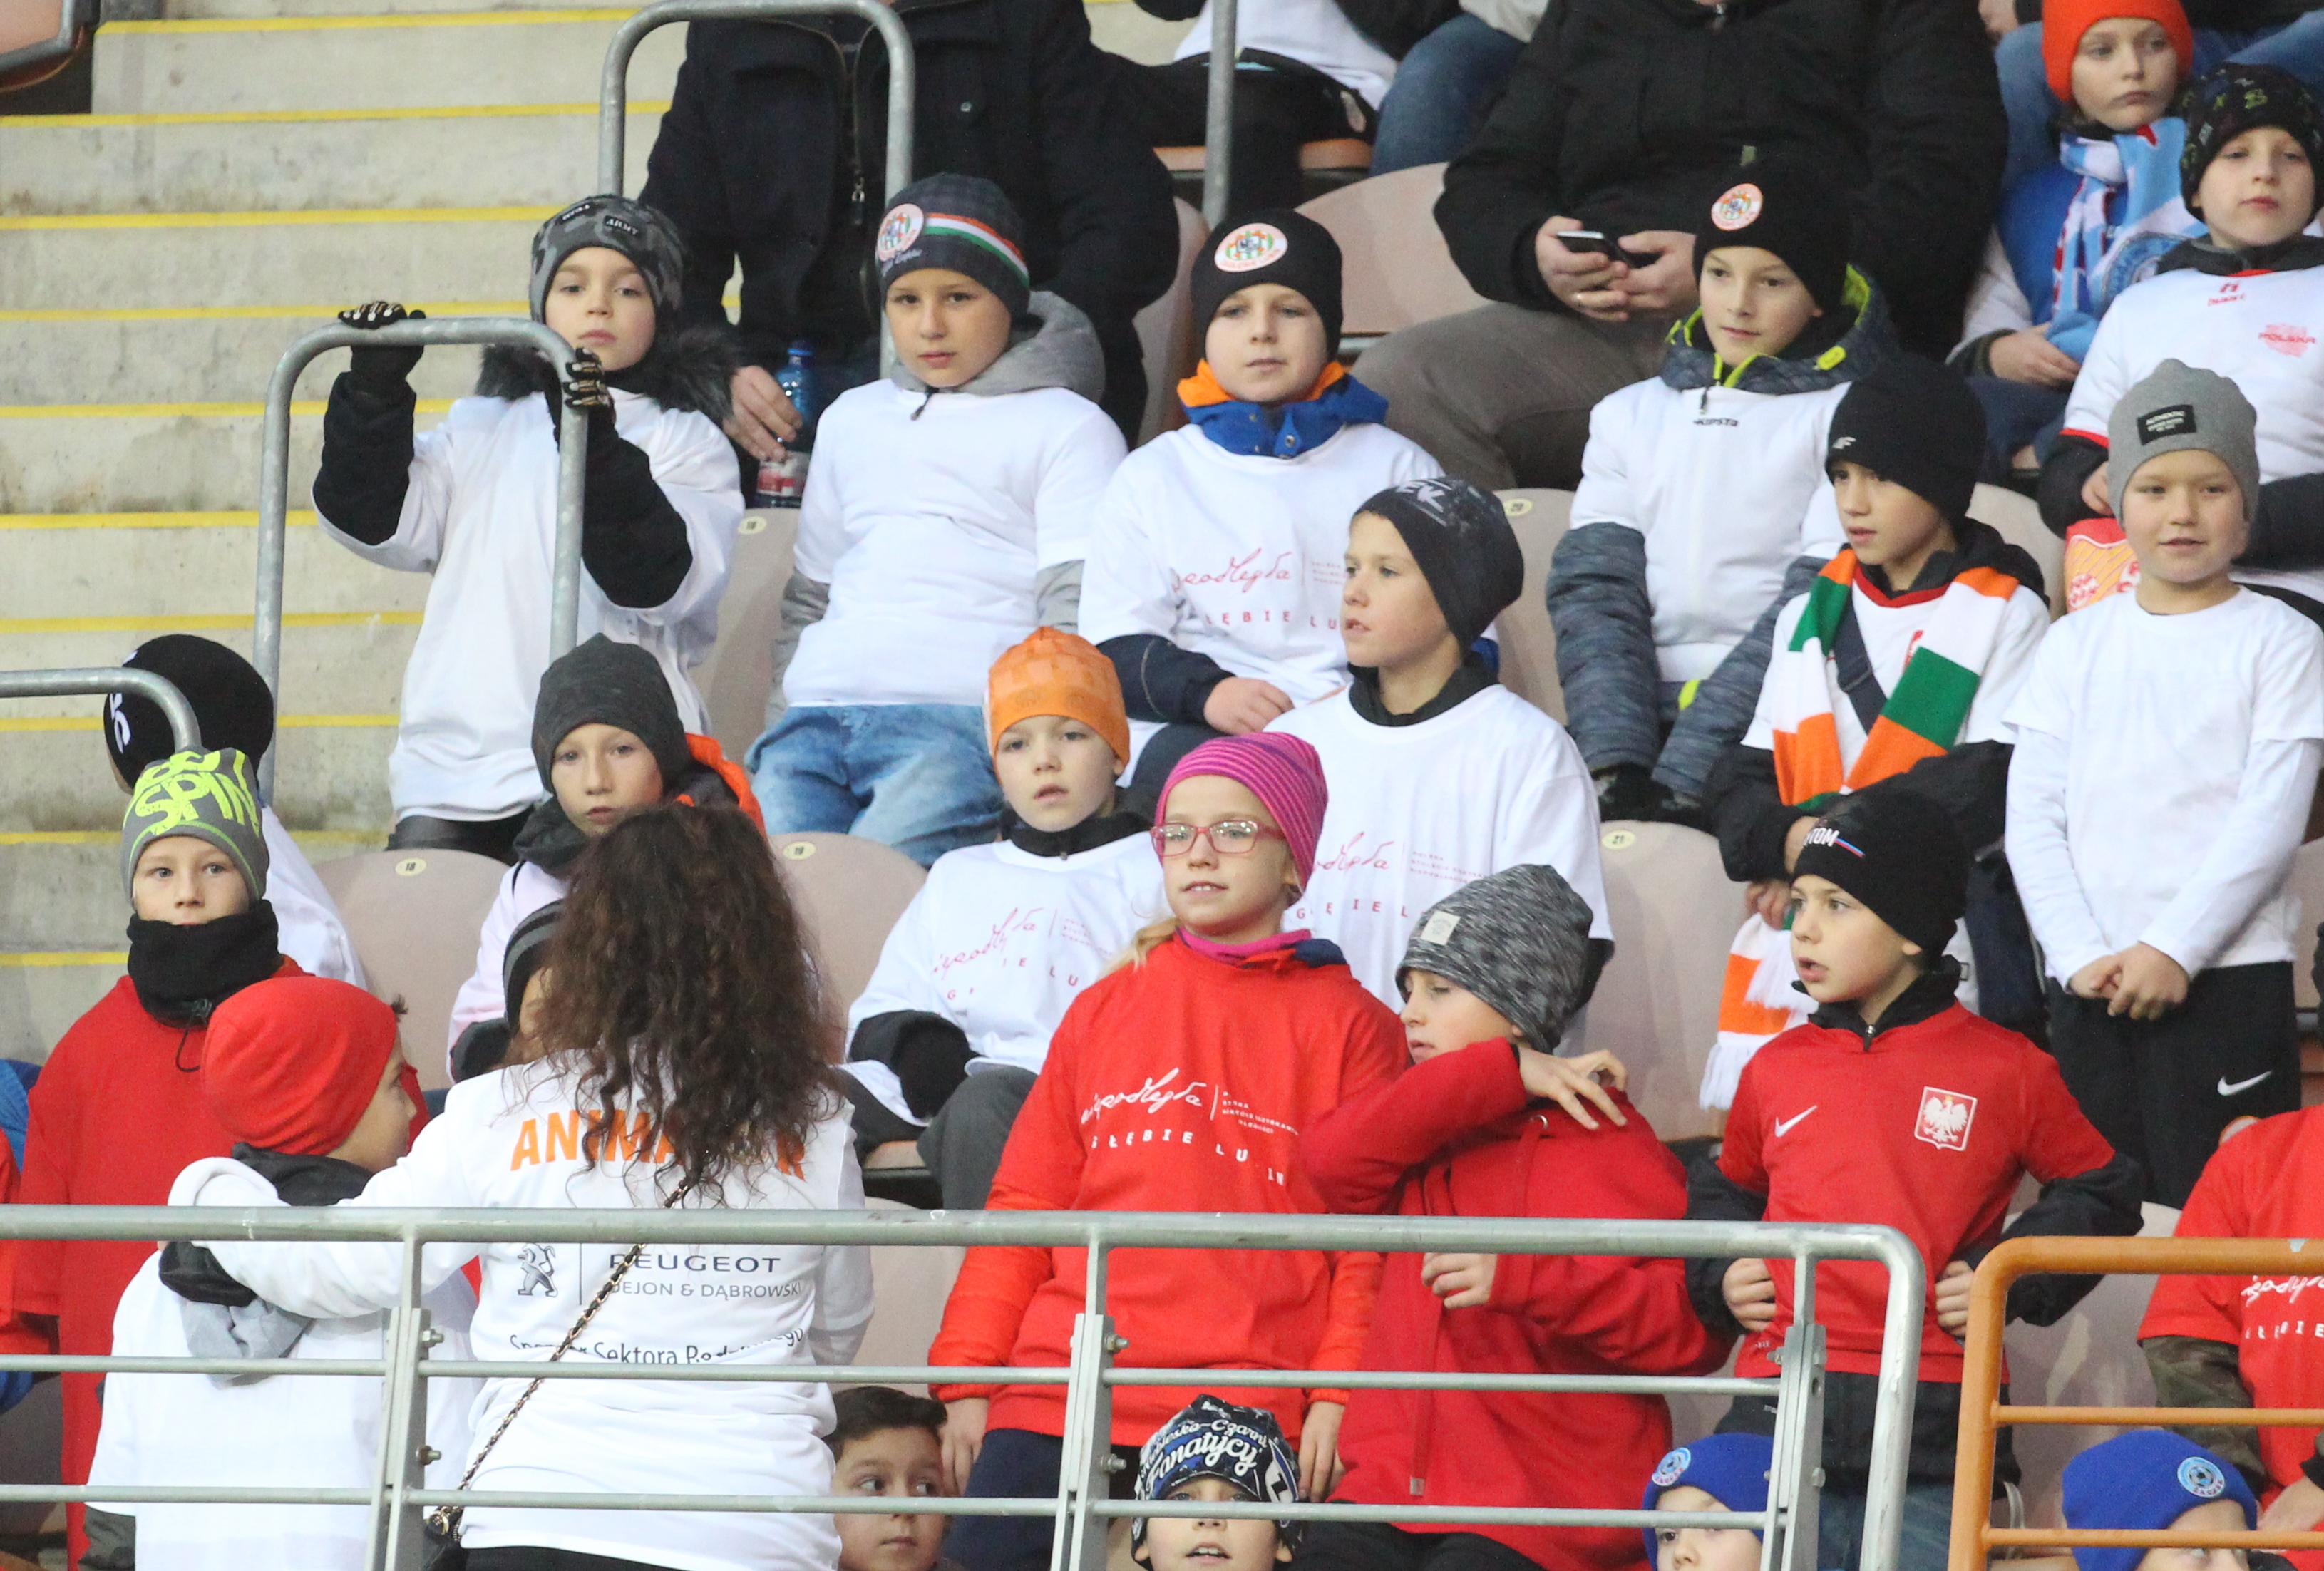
x: 782, y: 482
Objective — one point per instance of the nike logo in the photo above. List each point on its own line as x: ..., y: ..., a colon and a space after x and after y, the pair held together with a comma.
x: 2242, y: 1086
x: 1784, y: 1125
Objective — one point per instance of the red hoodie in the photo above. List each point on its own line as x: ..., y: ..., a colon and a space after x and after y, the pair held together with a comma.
x: 1180, y: 1085
x: 1456, y: 1136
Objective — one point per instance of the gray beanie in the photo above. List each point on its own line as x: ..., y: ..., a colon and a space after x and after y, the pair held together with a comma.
x: 1520, y: 940
x: 207, y: 795
x: 2179, y: 407
x: 606, y: 681
x: 1459, y: 538
x: 618, y: 223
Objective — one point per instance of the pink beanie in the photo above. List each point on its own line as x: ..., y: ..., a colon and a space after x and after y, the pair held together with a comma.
x: 1282, y: 771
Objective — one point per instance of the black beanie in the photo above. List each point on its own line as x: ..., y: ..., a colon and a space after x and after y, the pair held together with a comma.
x: 1272, y: 246
x: 1915, y: 422
x: 961, y: 223
x: 229, y: 698
x: 604, y: 682
x: 1787, y: 205
x: 1900, y: 854
x: 2235, y: 99
x: 1462, y: 540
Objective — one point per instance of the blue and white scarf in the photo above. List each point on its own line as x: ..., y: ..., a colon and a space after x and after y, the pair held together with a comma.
x: 2123, y: 215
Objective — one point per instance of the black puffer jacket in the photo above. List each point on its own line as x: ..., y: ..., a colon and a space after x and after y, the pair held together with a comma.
x: 775, y: 142
x: 1622, y: 112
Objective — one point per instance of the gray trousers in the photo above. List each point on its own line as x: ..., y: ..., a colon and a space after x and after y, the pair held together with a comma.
x: 964, y: 1140
x: 1501, y: 395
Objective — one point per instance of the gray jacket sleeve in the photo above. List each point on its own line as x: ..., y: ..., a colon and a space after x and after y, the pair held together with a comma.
x: 1605, y: 630
x: 803, y: 603
x: 1057, y: 597
x: 1725, y: 700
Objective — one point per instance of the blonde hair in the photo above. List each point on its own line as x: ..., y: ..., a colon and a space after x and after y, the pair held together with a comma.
x: 1147, y: 940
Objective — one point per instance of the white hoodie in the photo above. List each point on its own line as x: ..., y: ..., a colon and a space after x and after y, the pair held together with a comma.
x: 526, y: 888
x: 313, y: 934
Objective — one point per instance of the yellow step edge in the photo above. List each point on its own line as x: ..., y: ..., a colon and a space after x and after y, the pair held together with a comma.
x: 25, y: 221
x: 102, y: 837
x: 35, y: 724
x: 318, y: 116
x: 298, y: 518
x: 345, y: 23
x: 44, y: 960
x: 168, y: 622
x: 225, y: 411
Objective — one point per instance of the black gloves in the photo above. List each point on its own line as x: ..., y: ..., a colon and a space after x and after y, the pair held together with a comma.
x: 587, y: 373
x: 382, y: 365
x: 1626, y: 791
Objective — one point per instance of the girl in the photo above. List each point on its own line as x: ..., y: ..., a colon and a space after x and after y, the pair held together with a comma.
x: 1180, y: 1082
x: 714, y: 1094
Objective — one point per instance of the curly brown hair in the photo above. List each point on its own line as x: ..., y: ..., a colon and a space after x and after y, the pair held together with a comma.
x: 685, y: 994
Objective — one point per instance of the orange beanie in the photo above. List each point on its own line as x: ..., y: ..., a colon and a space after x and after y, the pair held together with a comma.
x: 2063, y: 23
x: 1055, y: 673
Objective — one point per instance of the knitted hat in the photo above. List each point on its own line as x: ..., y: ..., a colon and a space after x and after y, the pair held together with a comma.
x: 1283, y: 772
x: 1900, y: 854
x: 606, y: 681
x: 231, y: 703
x: 292, y: 1063
x: 1210, y: 1438
x: 2176, y: 407
x: 207, y: 795
x: 1055, y: 673
x: 959, y: 221
x: 1914, y: 422
x: 2141, y: 1481
x: 1519, y: 939
x: 637, y: 232
x: 1462, y: 540
x: 2240, y: 98
x: 2063, y: 23
x: 1786, y: 205
x: 1273, y: 245
x: 1731, y: 1469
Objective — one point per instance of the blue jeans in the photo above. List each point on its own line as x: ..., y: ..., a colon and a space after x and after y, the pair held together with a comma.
x: 2297, y: 47
x: 2018, y: 414
x: 1922, y: 1545
x: 917, y: 777
x: 1445, y: 87
x: 1019, y: 1463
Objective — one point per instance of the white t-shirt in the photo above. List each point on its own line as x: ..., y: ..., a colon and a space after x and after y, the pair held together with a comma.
x: 930, y: 519
x: 524, y: 890
x: 1418, y: 811
x: 509, y: 1141
x: 1314, y: 32
x: 999, y: 941
x: 312, y: 932
x: 2158, y: 768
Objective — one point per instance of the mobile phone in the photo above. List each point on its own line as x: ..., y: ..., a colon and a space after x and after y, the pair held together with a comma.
x: 1599, y: 244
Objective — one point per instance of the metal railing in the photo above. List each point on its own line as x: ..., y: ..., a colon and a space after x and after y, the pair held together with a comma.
x: 76, y: 20
x: 185, y: 731
x: 1217, y: 124
x: 1983, y: 1412
x: 275, y: 473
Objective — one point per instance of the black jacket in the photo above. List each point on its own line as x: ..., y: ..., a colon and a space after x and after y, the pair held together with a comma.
x: 1622, y: 112
x: 774, y: 148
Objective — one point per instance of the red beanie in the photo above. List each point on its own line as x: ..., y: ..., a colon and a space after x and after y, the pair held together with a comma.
x: 2063, y: 23
x: 290, y: 1064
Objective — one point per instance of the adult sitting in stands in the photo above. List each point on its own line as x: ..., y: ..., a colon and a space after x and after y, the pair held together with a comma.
x: 774, y: 151
x: 1618, y: 115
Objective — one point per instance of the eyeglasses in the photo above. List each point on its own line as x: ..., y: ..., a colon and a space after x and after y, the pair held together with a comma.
x: 1232, y: 837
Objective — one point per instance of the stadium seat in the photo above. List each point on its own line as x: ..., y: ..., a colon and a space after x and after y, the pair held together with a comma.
x: 1398, y: 270
x: 740, y: 672
x: 1327, y: 165
x: 850, y: 892
x: 1166, y: 332
x: 2020, y: 523
x: 1528, y: 649
x: 414, y: 917
x: 909, y: 1284
x: 1657, y: 1007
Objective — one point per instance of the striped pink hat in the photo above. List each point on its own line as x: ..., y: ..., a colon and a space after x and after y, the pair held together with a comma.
x: 1282, y: 771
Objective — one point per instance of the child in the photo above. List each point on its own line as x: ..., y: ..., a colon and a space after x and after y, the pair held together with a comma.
x: 1214, y: 562
x: 937, y: 531
x: 308, y: 1077
x: 1442, y: 775
x: 1900, y: 661
x: 2152, y: 1481
x: 1493, y: 975
x: 885, y: 1443
x: 1715, y: 1472
x: 485, y: 1045
x: 2245, y: 302
x: 1894, y: 1105
x: 977, y: 972
x: 1213, y: 1450
x: 606, y: 741
x: 2074, y: 234
x: 1700, y: 506
x: 2167, y: 750
x: 235, y: 709
x: 473, y: 502
x: 1179, y: 1083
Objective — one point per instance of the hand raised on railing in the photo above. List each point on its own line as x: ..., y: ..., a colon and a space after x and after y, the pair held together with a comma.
x: 382, y: 364
x: 585, y: 388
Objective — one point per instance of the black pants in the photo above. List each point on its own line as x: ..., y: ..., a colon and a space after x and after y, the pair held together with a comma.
x: 962, y: 1145
x: 2162, y: 1090
x: 528, y: 1557
x: 1020, y: 1463
x: 1274, y: 112
x: 492, y: 837
x: 1382, y: 1547
x: 1161, y: 754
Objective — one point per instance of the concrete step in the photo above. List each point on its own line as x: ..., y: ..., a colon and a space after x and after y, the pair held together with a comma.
x: 192, y: 360
x: 166, y: 462
x: 159, y: 572
x: 64, y: 892
x: 331, y: 776
x: 346, y: 665
x: 40, y: 1002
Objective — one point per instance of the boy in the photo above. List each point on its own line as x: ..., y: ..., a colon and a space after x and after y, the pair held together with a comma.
x: 886, y: 1443
x: 1495, y: 973
x: 1900, y: 661
x: 947, y: 516
x: 2152, y: 1481
x: 1700, y: 507
x: 1893, y: 1105
x: 2167, y: 750
x: 1216, y: 1451
x: 1214, y: 562
x: 978, y: 970
x: 1439, y: 773
x: 473, y: 504
x: 307, y: 1077
x: 235, y: 709
x: 1715, y: 1472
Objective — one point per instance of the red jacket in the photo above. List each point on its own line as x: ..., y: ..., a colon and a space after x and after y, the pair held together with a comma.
x: 1455, y: 1137
x: 1180, y: 1085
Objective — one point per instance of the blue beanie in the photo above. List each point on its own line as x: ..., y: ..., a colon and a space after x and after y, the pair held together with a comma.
x: 1732, y: 1469
x: 1213, y: 1439
x: 2145, y: 1481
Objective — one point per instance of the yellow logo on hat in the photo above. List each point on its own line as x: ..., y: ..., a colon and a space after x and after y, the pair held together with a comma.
x: 173, y: 791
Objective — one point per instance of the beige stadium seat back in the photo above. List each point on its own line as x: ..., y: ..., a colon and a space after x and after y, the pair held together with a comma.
x: 850, y: 892
x: 909, y: 1284
x: 414, y: 917
x: 1166, y: 333
x: 1398, y: 270
x: 736, y: 678
x: 1528, y: 648
x: 2020, y: 523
